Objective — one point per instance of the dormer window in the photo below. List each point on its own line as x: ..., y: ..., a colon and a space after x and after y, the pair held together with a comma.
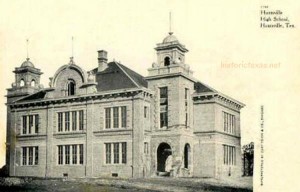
x: 167, y: 61
x: 22, y: 83
x: 71, y: 87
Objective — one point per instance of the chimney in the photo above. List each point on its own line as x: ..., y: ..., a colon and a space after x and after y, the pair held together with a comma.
x: 102, y: 60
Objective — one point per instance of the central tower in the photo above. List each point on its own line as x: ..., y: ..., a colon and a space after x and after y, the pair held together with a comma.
x: 170, y: 78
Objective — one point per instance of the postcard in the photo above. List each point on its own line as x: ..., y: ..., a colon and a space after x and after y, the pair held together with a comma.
x: 150, y: 95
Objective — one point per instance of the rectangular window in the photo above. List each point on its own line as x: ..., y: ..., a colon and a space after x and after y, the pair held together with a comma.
x: 81, y: 120
x: 116, y: 153
x: 229, y: 155
x: 24, y: 125
x: 36, y: 155
x: 81, y: 154
x: 67, y: 154
x: 107, y: 118
x: 145, y: 112
x: 74, y: 120
x: 234, y: 124
x: 108, y: 153
x: 186, y: 91
x: 60, y: 154
x: 70, y: 121
x: 116, y: 117
x: 60, y: 122
x: 163, y: 93
x: 74, y: 154
x: 30, y: 155
x: 229, y: 123
x: 146, y: 148
x: 36, y: 119
x: 24, y: 155
x: 186, y: 96
x: 67, y: 121
x: 163, y: 119
x: 30, y: 123
x: 123, y: 116
x: 124, y: 153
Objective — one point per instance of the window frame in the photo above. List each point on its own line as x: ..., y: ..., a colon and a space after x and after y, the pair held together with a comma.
x: 29, y: 156
x: 163, y: 104
x: 70, y: 155
x: 70, y: 121
x: 30, y: 124
x: 229, y: 155
x: 115, y: 117
x: 115, y: 153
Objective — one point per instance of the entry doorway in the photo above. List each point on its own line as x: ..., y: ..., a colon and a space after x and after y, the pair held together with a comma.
x: 163, y: 152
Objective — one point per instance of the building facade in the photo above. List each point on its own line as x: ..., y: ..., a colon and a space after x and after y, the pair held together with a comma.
x: 112, y: 122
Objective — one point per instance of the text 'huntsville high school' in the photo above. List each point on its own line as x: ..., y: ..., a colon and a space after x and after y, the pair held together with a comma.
x: 112, y: 122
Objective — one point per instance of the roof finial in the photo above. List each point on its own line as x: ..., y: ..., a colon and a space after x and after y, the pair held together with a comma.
x: 72, y: 57
x: 72, y: 46
x: 170, y: 22
x: 27, y: 42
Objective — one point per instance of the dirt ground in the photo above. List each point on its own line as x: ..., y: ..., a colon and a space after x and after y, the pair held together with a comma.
x: 243, y: 184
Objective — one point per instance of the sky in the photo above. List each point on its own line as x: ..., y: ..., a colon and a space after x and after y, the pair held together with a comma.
x: 215, y: 32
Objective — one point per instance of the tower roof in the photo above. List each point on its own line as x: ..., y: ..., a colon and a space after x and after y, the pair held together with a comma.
x: 27, y: 63
x: 170, y: 38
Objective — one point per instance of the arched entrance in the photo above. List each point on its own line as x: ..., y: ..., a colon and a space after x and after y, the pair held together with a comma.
x: 187, y: 155
x: 163, y: 151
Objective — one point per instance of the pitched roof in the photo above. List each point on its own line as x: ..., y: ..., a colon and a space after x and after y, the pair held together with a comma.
x: 203, y: 88
x: 117, y: 76
x: 35, y: 96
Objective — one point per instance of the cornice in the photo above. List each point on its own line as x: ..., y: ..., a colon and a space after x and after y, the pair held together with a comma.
x: 217, y: 98
x: 80, y: 98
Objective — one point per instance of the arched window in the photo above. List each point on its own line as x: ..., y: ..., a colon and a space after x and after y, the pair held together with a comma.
x: 187, y: 154
x: 167, y: 61
x: 32, y: 83
x: 71, y: 87
x: 22, y: 83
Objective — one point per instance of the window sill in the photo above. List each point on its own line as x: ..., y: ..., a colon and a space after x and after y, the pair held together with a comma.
x: 114, y: 128
x: 71, y: 165
x: 162, y: 128
x: 69, y: 132
x: 28, y: 135
x: 120, y: 164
